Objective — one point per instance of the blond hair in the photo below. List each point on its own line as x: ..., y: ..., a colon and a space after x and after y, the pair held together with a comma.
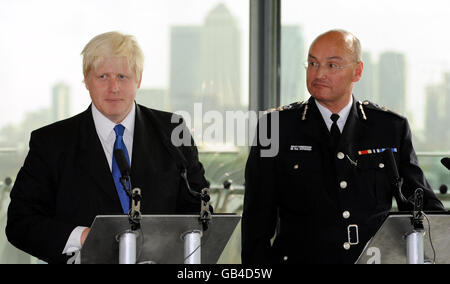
x: 113, y: 44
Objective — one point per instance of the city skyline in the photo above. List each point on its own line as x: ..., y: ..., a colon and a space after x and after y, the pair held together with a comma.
x: 36, y: 54
x: 205, y: 63
x: 27, y: 97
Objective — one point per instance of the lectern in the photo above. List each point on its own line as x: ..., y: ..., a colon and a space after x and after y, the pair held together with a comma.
x: 394, y: 241
x: 161, y: 239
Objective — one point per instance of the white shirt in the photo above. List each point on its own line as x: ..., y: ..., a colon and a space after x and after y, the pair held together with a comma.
x: 105, y: 131
x: 343, y: 115
x: 107, y: 136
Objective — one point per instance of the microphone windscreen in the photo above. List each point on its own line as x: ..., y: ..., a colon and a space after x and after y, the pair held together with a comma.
x: 122, y: 162
x: 446, y: 162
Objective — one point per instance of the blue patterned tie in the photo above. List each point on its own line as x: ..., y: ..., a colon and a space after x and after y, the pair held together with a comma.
x: 119, y: 144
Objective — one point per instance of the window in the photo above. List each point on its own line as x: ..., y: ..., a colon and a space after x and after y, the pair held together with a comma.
x: 406, y: 63
x: 196, y: 54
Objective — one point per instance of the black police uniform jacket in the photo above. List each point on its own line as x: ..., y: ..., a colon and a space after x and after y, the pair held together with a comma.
x: 66, y: 180
x: 309, y: 194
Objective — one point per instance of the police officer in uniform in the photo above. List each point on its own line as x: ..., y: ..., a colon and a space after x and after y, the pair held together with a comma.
x: 331, y: 185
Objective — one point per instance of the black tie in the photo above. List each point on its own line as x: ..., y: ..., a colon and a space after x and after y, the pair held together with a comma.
x: 335, y: 133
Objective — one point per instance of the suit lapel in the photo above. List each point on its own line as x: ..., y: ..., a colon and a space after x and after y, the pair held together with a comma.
x: 92, y: 158
x: 144, y: 147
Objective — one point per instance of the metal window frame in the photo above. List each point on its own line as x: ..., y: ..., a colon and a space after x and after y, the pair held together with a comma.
x: 264, y: 81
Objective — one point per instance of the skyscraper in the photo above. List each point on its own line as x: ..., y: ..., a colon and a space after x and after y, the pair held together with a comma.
x: 392, y: 81
x: 205, y: 63
x: 435, y: 126
x: 185, y: 73
x: 221, y: 61
x: 60, y: 101
x: 293, y: 80
x: 365, y: 89
x: 446, y: 105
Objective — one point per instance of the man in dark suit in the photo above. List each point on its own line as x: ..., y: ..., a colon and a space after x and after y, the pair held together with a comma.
x: 331, y: 185
x: 67, y: 177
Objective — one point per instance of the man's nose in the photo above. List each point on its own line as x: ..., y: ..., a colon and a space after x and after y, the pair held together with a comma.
x: 321, y: 72
x: 114, y: 85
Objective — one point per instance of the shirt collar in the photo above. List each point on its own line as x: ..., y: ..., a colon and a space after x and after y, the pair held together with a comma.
x: 343, y: 114
x: 104, y: 126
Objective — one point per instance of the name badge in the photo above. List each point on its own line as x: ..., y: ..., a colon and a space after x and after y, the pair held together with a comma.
x: 301, y: 148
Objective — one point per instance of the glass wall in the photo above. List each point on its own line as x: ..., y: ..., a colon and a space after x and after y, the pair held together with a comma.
x: 196, y: 62
x: 406, y: 63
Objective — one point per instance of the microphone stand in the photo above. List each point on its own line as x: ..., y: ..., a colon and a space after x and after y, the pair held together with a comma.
x: 205, y: 214
x: 192, y: 238
x: 415, y: 239
x: 127, y: 239
x: 134, y: 216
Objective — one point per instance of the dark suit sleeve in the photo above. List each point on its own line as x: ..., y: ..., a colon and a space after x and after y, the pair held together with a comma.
x: 32, y: 225
x: 260, y: 209
x: 413, y: 176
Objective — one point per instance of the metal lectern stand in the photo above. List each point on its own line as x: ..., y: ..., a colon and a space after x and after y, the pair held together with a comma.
x: 162, y: 239
x: 398, y: 242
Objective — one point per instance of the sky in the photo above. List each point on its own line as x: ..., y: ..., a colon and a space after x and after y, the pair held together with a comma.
x: 416, y: 28
x: 41, y: 40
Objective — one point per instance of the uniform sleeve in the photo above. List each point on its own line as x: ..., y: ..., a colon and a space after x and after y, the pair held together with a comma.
x: 259, y: 217
x: 32, y: 225
x: 413, y: 176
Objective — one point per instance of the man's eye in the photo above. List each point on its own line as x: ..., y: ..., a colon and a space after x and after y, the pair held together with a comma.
x: 122, y: 76
x: 333, y: 66
x: 103, y: 76
x: 313, y: 64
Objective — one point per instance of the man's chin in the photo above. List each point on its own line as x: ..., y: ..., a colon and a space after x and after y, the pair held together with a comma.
x: 320, y: 96
x: 116, y: 116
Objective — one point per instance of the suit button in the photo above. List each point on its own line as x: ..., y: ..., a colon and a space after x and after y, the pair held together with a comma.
x: 381, y: 165
x: 346, y: 214
x: 296, y: 166
x: 340, y: 155
x: 343, y: 184
x: 285, y: 258
x: 346, y: 246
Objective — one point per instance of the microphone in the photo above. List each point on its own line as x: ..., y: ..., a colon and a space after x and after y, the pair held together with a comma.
x: 446, y: 162
x: 122, y: 163
x: 391, y: 166
x: 134, y: 216
x: 181, y: 162
x: 417, y: 218
x: 205, y: 214
x: 418, y: 203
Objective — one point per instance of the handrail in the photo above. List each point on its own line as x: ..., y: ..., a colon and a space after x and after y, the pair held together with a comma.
x: 8, y: 150
x: 433, y: 154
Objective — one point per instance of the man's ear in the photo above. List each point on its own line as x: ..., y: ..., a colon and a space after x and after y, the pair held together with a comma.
x: 139, y: 82
x: 85, y: 83
x: 358, y: 71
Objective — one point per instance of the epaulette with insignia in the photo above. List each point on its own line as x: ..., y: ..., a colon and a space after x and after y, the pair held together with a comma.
x: 286, y: 107
x: 374, y: 106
